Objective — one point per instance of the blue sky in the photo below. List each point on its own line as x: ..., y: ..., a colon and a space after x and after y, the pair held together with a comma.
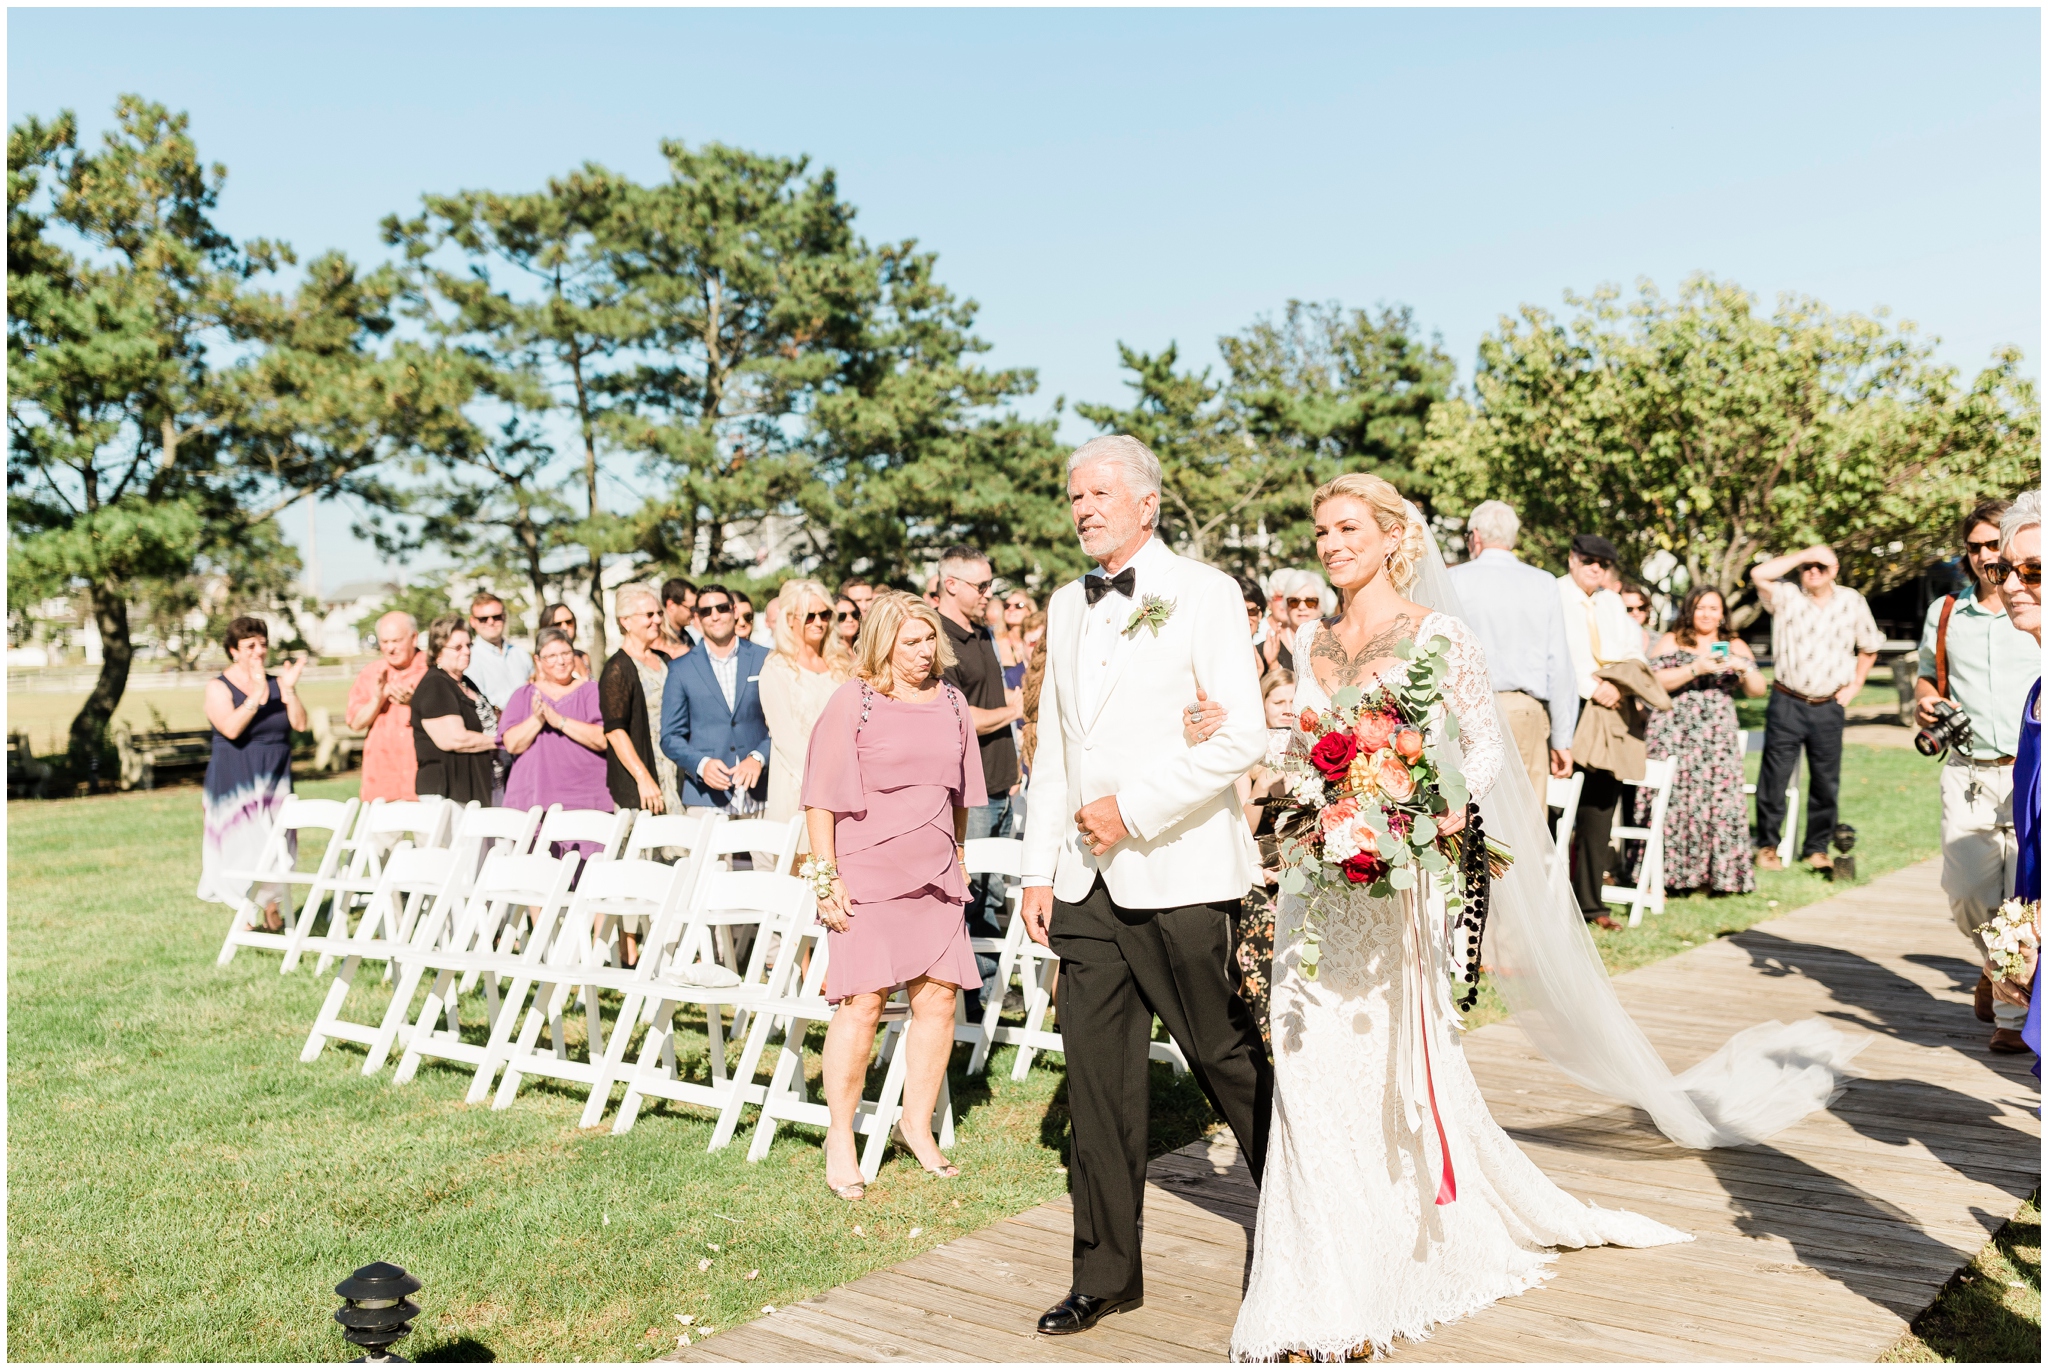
x: 1150, y: 176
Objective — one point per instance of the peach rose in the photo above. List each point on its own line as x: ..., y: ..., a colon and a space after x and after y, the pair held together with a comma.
x: 1394, y: 780
x: 1374, y: 730
x: 1308, y: 721
x: 1408, y: 743
x: 1339, y: 813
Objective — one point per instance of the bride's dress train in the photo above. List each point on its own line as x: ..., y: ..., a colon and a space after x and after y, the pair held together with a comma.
x: 1351, y: 1249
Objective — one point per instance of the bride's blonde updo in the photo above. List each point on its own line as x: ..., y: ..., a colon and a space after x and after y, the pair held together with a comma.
x: 1390, y: 512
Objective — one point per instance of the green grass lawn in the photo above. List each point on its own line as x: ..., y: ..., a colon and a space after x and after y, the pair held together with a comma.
x: 180, y: 1187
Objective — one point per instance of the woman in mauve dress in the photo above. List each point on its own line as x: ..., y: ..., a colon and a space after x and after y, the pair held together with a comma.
x: 554, y: 730
x: 249, y: 774
x: 893, y: 769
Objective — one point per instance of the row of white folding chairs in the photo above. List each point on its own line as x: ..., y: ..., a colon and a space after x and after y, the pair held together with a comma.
x: 1032, y: 966
x: 562, y: 958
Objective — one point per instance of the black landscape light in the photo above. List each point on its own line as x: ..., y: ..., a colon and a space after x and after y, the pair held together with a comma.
x: 377, y: 1312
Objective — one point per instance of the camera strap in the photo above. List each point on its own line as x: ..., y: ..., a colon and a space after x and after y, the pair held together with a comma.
x: 1948, y: 606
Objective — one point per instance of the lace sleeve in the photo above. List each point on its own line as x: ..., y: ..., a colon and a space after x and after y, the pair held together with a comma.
x: 1469, y: 692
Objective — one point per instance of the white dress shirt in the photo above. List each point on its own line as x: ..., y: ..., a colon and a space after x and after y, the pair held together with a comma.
x: 1599, y: 630
x: 499, y: 669
x: 1102, y: 629
x: 1513, y: 609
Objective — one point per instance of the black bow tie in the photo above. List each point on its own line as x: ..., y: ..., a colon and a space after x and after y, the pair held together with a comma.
x: 1124, y: 582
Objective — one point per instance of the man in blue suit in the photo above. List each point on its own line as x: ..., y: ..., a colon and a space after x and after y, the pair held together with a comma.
x: 711, y: 721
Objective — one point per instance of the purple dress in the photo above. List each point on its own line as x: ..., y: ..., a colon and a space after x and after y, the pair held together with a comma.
x: 557, y: 769
x: 891, y: 774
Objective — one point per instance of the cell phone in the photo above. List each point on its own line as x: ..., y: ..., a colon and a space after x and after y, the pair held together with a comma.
x: 1719, y: 651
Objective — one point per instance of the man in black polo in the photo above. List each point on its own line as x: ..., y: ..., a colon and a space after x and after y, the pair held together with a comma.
x: 963, y: 581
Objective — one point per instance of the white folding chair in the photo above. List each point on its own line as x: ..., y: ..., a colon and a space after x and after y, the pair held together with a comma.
x: 480, y: 831
x: 417, y: 896
x: 1564, y: 794
x: 787, y: 1098
x: 425, y: 823
x: 534, y: 885
x: 606, y: 828
x: 777, y: 841
x: 608, y: 890
x: 783, y: 906
x: 658, y: 832
x: 1647, y: 894
x: 1002, y: 856
x: 278, y: 866
x: 1753, y: 741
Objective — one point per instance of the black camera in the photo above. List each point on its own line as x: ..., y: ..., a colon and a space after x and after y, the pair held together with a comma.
x: 1950, y: 728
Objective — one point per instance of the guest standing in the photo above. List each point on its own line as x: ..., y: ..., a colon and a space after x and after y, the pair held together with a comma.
x: 563, y: 617
x: 893, y: 773
x: 845, y: 622
x: 712, y: 726
x: 859, y: 591
x: 380, y: 701
x: 1703, y: 667
x: 1636, y: 604
x: 809, y: 663
x: 1006, y: 626
x: 629, y: 695
x: 678, y: 617
x: 1514, y: 611
x: 249, y: 773
x: 1599, y: 634
x: 554, y: 731
x: 1971, y: 658
x: 498, y: 664
x: 2020, y: 568
x: 1295, y: 597
x: 454, y: 727
x: 977, y: 673
x: 743, y: 616
x: 1824, y: 642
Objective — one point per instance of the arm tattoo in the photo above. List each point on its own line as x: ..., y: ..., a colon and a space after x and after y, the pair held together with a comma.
x: 1349, y: 670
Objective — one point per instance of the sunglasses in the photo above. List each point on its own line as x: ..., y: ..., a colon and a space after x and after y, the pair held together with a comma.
x: 817, y: 616
x: 724, y: 606
x: 2029, y: 572
x: 499, y: 617
x: 977, y: 588
x: 852, y: 616
x: 1303, y: 601
x: 1637, y: 608
x: 1979, y: 548
x: 746, y: 615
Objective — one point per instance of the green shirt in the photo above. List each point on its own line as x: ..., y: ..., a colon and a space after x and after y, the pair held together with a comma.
x: 1991, y: 666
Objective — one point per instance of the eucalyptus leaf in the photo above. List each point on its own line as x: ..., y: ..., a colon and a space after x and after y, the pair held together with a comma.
x: 1405, y: 649
x: 1401, y: 878
x: 1432, y: 860
x: 1292, y: 881
x: 1386, y: 844
x: 1424, y: 832
x: 1346, y: 698
x: 1379, y: 889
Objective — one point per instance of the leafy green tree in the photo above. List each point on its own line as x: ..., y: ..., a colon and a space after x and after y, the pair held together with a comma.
x: 1701, y: 427
x: 159, y: 407
x: 914, y: 447
x: 256, y: 569
x: 530, y: 318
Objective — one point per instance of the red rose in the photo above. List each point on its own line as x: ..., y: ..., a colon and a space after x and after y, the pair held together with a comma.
x: 1333, y: 754
x: 1374, y: 731
x: 1364, y: 868
x: 1408, y: 743
x: 1308, y: 720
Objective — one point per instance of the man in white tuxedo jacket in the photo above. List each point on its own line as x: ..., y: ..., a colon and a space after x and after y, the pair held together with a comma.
x: 1137, y: 856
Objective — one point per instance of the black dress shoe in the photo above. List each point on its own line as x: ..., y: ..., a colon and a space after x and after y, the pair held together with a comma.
x: 1079, y: 1312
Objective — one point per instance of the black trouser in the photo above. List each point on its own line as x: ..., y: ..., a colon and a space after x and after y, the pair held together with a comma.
x: 1790, y: 724
x: 1118, y: 967
x: 1592, y: 838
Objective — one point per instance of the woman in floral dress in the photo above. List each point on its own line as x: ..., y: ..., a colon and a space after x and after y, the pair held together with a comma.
x: 1706, y: 822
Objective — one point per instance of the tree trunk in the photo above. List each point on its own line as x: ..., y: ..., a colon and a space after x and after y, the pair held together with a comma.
x: 117, y: 654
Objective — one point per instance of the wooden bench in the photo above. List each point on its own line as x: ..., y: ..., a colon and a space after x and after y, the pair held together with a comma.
x: 336, y: 746
x: 26, y: 776
x: 145, y: 757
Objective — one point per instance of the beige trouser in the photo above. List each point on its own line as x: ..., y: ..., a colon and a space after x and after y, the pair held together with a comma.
x: 1529, y: 725
x: 1979, y: 853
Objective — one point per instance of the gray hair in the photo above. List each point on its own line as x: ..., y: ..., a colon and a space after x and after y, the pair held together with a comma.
x: 1292, y: 580
x: 2025, y: 513
x: 633, y: 594
x: 1496, y: 524
x: 1133, y: 458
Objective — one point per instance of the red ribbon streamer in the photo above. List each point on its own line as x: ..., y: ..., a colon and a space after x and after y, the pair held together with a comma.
x: 1447, y: 1186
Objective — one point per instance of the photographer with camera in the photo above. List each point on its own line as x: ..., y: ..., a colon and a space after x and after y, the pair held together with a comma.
x: 1975, y: 672
x: 1824, y: 642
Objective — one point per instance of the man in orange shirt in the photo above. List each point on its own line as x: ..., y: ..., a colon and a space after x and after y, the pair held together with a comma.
x: 381, y: 701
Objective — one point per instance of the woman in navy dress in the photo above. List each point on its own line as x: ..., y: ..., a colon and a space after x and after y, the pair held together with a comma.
x: 253, y: 715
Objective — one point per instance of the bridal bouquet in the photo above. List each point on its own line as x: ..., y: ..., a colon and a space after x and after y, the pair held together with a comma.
x: 2015, y: 928
x: 1365, y: 791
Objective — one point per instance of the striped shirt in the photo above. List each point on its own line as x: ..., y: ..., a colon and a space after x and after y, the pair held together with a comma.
x: 1816, y: 641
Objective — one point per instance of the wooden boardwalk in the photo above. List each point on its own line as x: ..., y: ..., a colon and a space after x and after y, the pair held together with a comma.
x: 1821, y: 1246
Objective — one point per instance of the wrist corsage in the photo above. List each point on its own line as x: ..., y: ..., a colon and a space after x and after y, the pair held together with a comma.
x: 819, y: 875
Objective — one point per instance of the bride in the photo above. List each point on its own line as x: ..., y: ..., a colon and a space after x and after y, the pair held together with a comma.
x: 1391, y: 1200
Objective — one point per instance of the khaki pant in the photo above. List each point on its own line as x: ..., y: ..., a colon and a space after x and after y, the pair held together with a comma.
x: 1979, y: 853
x: 1529, y: 726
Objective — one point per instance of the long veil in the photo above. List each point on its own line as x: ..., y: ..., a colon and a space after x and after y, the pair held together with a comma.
x: 1548, y: 971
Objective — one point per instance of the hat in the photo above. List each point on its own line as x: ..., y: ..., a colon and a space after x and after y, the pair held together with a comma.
x: 1591, y: 545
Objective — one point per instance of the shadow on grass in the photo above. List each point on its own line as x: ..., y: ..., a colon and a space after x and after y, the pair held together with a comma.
x: 457, y: 1351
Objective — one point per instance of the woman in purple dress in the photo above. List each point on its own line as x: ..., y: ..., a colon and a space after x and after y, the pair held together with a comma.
x: 892, y: 771
x: 555, y: 732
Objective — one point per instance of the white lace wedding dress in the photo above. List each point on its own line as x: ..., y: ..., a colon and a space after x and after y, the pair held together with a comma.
x: 1351, y: 1249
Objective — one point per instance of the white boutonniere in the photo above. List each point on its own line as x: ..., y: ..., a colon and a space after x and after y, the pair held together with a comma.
x: 1152, y: 612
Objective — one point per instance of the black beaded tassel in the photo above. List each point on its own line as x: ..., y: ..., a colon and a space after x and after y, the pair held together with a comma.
x: 1478, y: 898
